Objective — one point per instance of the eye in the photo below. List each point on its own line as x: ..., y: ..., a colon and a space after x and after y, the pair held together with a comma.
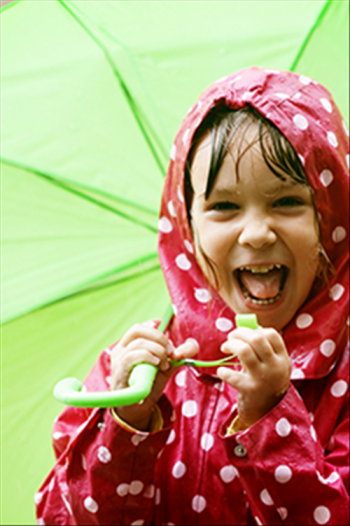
x: 224, y: 205
x: 288, y: 201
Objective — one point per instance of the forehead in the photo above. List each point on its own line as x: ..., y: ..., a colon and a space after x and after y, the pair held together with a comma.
x: 244, y: 158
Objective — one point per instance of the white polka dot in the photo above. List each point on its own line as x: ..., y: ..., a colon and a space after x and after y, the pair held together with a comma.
x: 282, y: 95
x: 174, y: 309
x: 283, y: 474
x: 228, y: 474
x: 171, y: 209
x: 104, y: 455
x: 322, y: 515
x: 189, y: 408
x: 302, y: 160
x: 136, y: 439
x: 179, y: 469
x: 207, y: 441
x: 171, y: 437
x: 173, y: 152
x: 345, y: 128
x: 185, y: 136
x: 198, y: 503
x: 52, y: 484
x: 332, y: 139
x: 300, y: 121
x: 202, y: 295
x: 326, y: 104
x: 57, y: 435
x: 139, y: 522
x: 282, y: 512
x: 123, y: 489
x: 312, y: 416
x: 297, y: 374
x: 327, y: 348
x: 336, y: 291
x: 91, y: 505
x: 224, y: 324
x: 189, y: 246
x: 164, y: 225
x: 149, y: 323
x: 338, y: 234
x: 265, y: 497
x: 180, y: 378
x: 339, y: 388
x: 149, y: 491
x: 297, y: 95
x: 303, y: 321
x: 179, y: 194
x: 305, y: 80
x: 40, y: 521
x: 333, y: 477
x: 136, y: 486
x: 347, y: 159
x: 158, y: 497
x: 182, y: 262
x: 38, y: 497
x: 283, y: 427
x: 326, y: 177
x: 258, y: 521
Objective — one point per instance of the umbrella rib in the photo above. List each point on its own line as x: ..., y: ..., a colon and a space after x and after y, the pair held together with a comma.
x: 310, y: 34
x: 69, y: 188
x: 129, y: 98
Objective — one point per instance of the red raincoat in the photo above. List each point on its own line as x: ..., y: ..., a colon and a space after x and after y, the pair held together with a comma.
x: 290, y: 467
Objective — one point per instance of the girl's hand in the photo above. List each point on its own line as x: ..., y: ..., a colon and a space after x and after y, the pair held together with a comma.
x: 265, y: 375
x: 147, y: 345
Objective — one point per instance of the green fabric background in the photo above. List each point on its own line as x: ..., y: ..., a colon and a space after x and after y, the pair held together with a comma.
x: 92, y: 95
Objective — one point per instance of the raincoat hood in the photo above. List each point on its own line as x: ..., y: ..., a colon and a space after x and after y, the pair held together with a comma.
x: 305, y: 113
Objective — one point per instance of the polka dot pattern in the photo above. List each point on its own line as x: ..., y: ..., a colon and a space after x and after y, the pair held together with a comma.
x: 207, y: 441
x: 199, y: 503
x: 224, y: 324
x: 332, y: 139
x: 91, y: 505
x: 179, y: 469
x: 304, y: 320
x: 327, y: 347
x: 189, y: 408
x: 202, y: 295
x: 326, y: 177
x: 300, y: 122
x: 338, y: 234
x: 164, y: 225
x: 283, y: 474
x: 322, y: 515
x: 182, y: 262
x: 283, y: 427
x: 339, y: 388
x: 336, y: 291
x: 266, y: 498
x: 228, y: 474
x: 104, y: 455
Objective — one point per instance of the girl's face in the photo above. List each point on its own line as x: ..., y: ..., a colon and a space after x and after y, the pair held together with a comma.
x: 259, y: 234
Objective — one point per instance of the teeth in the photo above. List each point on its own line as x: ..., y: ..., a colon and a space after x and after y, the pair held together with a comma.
x: 261, y: 302
x: 261, y: 269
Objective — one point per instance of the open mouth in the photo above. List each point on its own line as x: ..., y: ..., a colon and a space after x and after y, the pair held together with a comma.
x: 262, y: 284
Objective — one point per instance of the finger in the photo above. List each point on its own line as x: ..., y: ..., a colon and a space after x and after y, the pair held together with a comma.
x: 233, y: 378
x: 188, y: 349
x: 151, y: 346
x: 143, y: 331
x: 257, y: 340
x: 244, y: 352
x: 275, y: 340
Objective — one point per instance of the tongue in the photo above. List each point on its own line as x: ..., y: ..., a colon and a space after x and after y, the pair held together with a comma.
x: 262, y: 286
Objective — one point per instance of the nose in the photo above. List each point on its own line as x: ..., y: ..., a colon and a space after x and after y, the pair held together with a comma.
x: 257, y: 232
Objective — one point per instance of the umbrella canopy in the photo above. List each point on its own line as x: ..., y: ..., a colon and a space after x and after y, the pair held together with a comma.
x: 92, y: 95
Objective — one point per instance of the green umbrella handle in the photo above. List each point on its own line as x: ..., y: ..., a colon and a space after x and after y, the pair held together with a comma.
x: 69, y: 391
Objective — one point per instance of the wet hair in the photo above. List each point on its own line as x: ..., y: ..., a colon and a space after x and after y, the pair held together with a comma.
x: 223, y: 124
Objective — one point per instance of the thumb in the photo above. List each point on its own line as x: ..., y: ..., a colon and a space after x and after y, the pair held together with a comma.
x: 188, y: 349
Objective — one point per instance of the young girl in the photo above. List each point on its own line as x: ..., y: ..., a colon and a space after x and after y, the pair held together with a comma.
x: 254, y: 219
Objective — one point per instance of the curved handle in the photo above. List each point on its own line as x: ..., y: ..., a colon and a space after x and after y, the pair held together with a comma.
x: 69, y: 390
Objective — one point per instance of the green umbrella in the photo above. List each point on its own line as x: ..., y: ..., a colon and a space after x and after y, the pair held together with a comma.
x: 92, y: 95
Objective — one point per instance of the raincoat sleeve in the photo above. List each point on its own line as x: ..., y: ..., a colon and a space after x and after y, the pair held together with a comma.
x: 291, y: 473
x: 104, y: 472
